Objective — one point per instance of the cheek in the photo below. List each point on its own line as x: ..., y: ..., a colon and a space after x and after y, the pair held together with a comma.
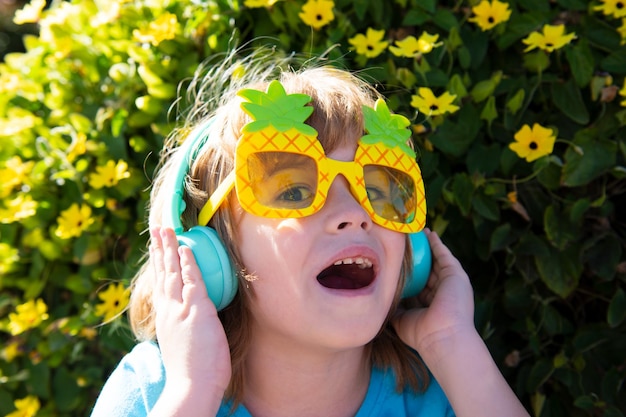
x: 268, y: 245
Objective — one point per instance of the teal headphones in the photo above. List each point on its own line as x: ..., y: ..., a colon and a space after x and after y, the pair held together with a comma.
x: 210, y: 252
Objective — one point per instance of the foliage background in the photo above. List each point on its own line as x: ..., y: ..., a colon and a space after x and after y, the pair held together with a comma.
x: 544, y: 242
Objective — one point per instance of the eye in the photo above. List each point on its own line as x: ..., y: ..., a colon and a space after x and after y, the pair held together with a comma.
x: 295, y: 195
x: 375, y: 194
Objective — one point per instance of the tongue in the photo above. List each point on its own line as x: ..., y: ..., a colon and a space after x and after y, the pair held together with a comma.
x: 345, y: 277
x: 339, y: 283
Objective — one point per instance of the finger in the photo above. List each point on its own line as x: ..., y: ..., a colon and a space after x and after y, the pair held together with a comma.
x: 194, y: 290
x: 156, y: 263
x: 444, y: 262
x: 173, y: 284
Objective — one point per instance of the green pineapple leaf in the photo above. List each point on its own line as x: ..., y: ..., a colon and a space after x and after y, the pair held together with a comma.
x: 387, y: 128
x: 276, y: 108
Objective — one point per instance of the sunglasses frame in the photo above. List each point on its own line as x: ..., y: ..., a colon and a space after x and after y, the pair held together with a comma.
x: 327, y: 170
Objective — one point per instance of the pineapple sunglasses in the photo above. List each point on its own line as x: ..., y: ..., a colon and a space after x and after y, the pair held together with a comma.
x: 282, y: 171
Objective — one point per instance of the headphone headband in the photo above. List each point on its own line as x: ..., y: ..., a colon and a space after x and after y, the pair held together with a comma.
x: 186, y: 154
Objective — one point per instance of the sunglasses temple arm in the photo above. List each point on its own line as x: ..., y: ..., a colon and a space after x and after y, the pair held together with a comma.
x: 216, y: 199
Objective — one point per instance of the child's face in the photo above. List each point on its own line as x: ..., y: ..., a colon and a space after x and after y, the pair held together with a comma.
x: 300, y: 295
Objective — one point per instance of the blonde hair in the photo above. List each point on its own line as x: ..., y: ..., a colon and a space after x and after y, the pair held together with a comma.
x: 337, y: 97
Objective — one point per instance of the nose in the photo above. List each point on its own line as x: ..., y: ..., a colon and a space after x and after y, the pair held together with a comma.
x: 343, y: 210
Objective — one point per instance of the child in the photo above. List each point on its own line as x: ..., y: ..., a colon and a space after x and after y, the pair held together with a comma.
x: 313, y: 203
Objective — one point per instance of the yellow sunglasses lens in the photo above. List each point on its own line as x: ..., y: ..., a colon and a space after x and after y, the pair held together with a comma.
x: 391, y: 193
x: 282, y: 180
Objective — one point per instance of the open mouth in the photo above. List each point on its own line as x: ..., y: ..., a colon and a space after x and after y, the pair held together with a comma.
x: 348, y: 274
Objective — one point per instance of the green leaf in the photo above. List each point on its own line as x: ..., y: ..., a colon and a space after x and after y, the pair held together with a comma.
x: 560, y: 270
x: 568, y: 98
x: 539, y: 374
x: 581, y: 62
x: 445, y: 19
x: 462, y: 189
x: 579, y: 209
x: 599, y: 155
x: 536, y: 61
x: 39, y: 382
x: 579, y: 5
x: 516, y: 102
x: 559, y: 230
x: 455, y: 137
x: 66, y: 392
x: 501, y: 238
x: 615, y: 63
x: 489, y: 113
x: 428, y: 5
x: 486, y: 206
x: 457, y: 87
x: 553, y: 322
x: 483, y: 159
x: 415, y: 17
x: 617, y: 309
x: 485, y: 88
x: 603, y: 256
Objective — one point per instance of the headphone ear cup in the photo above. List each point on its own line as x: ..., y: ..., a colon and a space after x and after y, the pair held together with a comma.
x: 422, y: 263
x: 213, y: 262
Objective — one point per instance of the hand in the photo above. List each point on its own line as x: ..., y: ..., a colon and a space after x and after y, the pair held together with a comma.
x: 442, y: 330
x: 191, y: 337
x: 445, y: 305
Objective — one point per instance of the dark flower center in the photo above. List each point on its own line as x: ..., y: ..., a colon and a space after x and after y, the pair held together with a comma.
x: 434, y: 107
x: 318, y: 17
x: 491, y: 19
x: 533, y: 145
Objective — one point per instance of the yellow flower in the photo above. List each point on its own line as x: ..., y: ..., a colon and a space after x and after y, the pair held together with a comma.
x: 512, y: 196
x: 12, y: 126
x: 77, y: 147
x: 371, y: 44
x: 164, y: 28
x: 109, y: 175
x: 10, y: 351
x: 317, y: 13
x: 253, y: 4
x: 622, y: 93
x: 622, y: 31
x: 27, y: 315
x: 615, y: 8
x: 26, y: 407
x: 30, y: 13
x: 534, y: 143
x: 490, y: 14
x: 19, y: 208
x: 88, y: 333
x: 552, y: 38
x: 14, y: 174
x: 412, y: 47
x: 426, y: 102
x: 8, y: 257
x: 73, y: 221
x: 114, y: 301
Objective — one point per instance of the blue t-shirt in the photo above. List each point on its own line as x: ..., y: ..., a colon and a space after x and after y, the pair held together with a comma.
x: 135, y: 385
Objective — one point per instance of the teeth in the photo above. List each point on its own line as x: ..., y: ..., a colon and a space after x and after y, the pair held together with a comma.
x: 360, y: 262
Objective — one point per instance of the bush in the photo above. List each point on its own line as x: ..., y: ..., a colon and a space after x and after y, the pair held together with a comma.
x: 518, y: 110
